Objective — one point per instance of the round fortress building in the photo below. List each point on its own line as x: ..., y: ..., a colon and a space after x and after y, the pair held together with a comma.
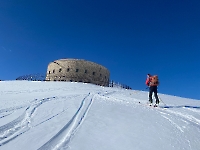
x: 77, y: 70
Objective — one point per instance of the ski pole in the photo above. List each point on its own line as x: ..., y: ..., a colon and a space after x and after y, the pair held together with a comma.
x: 162, y: 101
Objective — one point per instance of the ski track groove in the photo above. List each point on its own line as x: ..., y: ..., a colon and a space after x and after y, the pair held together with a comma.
x: 20, y: 125
x: 5, y: 115
x: 50, y: 118
x: 63, y: 137
x: 180, y: 128
x: 173, y: 123
x: 12, y: 109
x: 166, y: 112
x: 185, y: 117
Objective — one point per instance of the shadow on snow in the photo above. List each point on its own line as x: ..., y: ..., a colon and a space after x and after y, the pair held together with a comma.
x: 182, y: 106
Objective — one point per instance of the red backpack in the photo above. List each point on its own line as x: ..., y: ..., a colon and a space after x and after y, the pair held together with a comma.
x: 154, y: 80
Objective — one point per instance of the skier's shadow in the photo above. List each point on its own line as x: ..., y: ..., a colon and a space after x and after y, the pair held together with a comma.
x: 182, y: 106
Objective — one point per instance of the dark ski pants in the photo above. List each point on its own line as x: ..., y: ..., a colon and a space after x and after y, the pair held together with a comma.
x: 153, y: 89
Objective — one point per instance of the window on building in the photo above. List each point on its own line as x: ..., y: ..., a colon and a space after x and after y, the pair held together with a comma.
x: 53, y: 71
x: 68, y: 69
x: 100, y: 75
x: 93, y: 73
x: 60, y: 69
x: 49, y: 72
x: 86, y: 71
x: 77, y: 70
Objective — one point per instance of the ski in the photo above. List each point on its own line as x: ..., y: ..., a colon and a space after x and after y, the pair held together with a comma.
x: 153, y: 105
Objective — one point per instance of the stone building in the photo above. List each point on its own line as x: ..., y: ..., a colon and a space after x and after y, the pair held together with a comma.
x: 77, y: 70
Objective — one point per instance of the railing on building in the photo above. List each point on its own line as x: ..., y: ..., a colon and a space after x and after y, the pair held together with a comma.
x: 118, y: 85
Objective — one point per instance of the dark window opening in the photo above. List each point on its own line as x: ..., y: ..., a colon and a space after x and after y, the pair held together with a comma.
x: 68, y: 69
x: 93, y: 73
x: 85, y: 71
x: 100, y: 75
x: 53, y: 71
x: 49, y: 72
x: 60, y: 69
x: 77, y: 70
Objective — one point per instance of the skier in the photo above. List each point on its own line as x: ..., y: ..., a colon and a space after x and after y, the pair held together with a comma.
x: 152, y: 83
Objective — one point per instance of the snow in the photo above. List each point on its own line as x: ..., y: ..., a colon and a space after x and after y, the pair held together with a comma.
x: 78, y: 116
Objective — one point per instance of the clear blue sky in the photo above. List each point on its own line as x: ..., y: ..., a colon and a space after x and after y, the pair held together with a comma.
x: 129, y: 37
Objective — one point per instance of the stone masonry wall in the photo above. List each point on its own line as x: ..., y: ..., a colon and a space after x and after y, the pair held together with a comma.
x: 77, y: 70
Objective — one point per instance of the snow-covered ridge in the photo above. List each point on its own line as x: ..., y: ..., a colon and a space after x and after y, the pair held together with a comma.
x: 77, y: 116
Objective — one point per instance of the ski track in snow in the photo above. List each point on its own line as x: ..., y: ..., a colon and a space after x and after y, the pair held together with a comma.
x: 20, y: 125
x: 62, y: 138
x: 167, y: 113
x: 179, y: 112
x: 9, y: 111
x: 186, y: 117
x: 175, y: 117
x: 182, y: 114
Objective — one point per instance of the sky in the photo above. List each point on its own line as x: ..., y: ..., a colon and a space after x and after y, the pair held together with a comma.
x: 78, y: 116
x: 131, y: 38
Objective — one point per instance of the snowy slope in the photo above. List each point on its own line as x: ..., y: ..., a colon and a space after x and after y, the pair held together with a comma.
x: 77, y: 116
